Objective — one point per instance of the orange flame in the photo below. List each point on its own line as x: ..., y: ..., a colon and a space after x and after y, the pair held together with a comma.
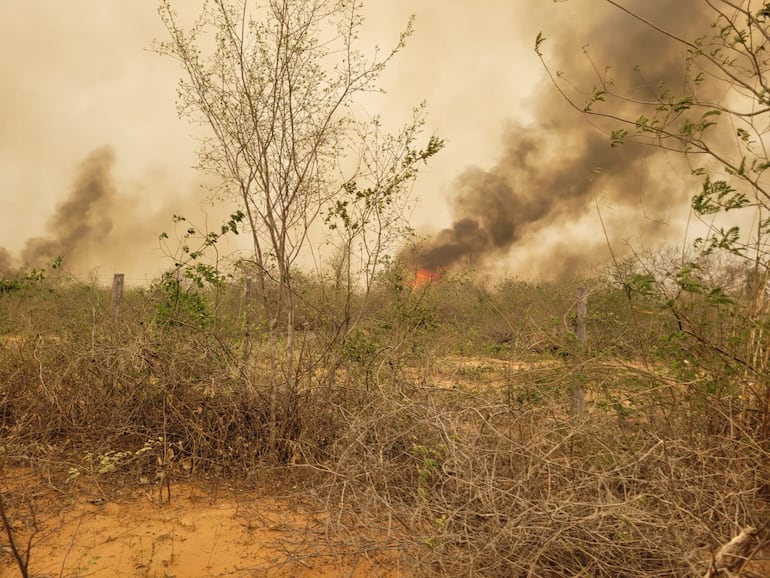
x: 425, y: 276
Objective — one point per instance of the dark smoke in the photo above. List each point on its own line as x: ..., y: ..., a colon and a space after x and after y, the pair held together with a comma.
x: 83, y: 220
x: 550, y: 173
x: 100, y: 225
x: 489, y: 208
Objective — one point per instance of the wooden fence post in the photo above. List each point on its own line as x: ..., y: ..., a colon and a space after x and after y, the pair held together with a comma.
x: 117, y: 294
x: 577, y: 398
x: 581, y: 312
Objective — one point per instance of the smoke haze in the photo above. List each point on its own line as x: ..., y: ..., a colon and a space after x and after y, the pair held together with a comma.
x: 74, y: 76
x: 551, y: 172
x: 99, y: 223
x: 83, y: 219
x: 514, y: 190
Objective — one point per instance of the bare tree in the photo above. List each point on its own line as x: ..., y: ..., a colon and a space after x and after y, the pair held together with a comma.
x: 276, y: 84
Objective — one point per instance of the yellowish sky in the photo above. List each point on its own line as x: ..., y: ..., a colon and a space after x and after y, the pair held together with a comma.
x: 79, y: 75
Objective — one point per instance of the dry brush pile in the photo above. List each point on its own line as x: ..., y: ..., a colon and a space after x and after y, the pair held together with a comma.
x: 477, y: 486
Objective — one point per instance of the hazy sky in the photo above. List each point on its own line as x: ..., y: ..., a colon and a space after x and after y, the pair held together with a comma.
x: 78, y: 76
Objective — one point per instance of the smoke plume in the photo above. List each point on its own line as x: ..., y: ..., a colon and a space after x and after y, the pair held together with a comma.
x: 100, y: 224
x: 83, y: 220
x: 552, y: 171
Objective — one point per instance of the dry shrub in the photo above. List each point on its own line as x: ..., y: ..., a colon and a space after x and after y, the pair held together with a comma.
x: 101, y: 387
x: 487, y: 481
x: 469, y: 485
x: 122, y: 399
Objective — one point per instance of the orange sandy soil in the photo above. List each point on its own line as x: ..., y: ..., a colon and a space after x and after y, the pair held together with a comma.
x: 197, y: 534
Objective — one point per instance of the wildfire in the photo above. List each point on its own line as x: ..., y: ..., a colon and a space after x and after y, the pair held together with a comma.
x: 425, y: 276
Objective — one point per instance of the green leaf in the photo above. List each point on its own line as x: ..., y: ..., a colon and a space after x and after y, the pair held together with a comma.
x: 597, y: 96
x: 683, y: 104
x: 618, y: 137
x: 687, y: 279
x: 717, y: 196
x: 719, y: 297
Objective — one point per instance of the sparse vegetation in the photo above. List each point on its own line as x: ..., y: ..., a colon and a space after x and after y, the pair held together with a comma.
x: 465, y: 451
x: 430, y: 424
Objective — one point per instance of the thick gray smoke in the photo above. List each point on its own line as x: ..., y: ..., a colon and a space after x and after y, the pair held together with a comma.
x: 101, y: 225
x: 83, y: 220
x: 550, y: 172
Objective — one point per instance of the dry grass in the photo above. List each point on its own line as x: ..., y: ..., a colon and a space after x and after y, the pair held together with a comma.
x: 484, y: 488
x: 443, y: 465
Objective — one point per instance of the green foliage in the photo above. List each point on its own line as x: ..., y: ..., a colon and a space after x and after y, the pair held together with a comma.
x: 618, y: 137
x: 361, y: 347
x: 358, y: 205
x: 28, y: 279
x: 179, y: 305
x: 598, y: 95
x: 718, y: 196
x: 188, y: 258
x: 428, y: 467
x: 182, y: 299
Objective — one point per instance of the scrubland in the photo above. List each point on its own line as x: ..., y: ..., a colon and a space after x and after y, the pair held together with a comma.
x: 437, y: 434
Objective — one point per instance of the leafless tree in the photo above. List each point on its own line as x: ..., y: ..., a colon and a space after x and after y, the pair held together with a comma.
x: 277, y: 86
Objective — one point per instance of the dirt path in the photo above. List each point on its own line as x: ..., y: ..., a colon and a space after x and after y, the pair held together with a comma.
x: 196, y: 535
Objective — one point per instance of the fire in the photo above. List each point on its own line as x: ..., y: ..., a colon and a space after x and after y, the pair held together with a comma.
x: 425, y: 276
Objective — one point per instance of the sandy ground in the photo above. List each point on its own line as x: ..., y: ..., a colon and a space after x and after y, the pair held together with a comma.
x: 208, y: 532
x: 196, y: 535
x: 201, y: 532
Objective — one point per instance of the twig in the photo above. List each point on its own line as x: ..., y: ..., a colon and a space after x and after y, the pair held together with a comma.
x: 72, y: 542
x: 22, y: 560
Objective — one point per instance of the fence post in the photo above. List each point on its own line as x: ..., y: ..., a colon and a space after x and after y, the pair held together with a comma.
x: 117, y: 294
x: 577, y: 397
